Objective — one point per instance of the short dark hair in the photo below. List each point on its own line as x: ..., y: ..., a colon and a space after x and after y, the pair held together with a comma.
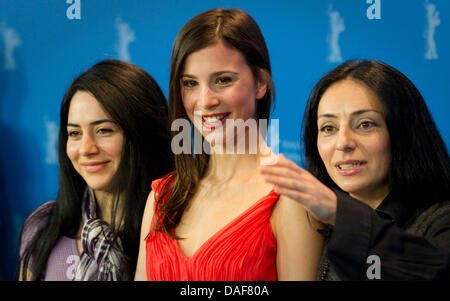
x: 420, y: 168
x: 133, y: 99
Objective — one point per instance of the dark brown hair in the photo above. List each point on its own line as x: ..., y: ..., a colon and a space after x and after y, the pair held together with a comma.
x: 236, y: 29
x: 133, y: 99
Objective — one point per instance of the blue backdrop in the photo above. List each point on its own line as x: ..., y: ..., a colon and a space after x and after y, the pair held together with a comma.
x: 45, y: 44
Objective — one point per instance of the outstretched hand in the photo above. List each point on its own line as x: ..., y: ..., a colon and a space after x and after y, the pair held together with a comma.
x: 298, y: 184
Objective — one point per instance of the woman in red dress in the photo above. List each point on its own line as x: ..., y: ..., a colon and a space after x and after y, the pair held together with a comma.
x: 215, y: 217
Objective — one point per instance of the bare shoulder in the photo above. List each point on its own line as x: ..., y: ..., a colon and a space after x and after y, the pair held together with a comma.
x: 288, y: 214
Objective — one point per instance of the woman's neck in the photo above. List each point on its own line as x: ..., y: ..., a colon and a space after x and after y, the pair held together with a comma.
x: 238, y: 166
x: 231, y: 166
x: 372, y: 198
x: 104, y: 201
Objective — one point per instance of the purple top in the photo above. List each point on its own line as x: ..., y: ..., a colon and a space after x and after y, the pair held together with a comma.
x: 63, y: 259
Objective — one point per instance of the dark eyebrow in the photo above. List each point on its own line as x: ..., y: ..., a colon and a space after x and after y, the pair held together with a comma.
x: 225, y: 71
x: 97, y: 122
x: 326, y: 116
x: 214, y: 74
x: 359, y: 112
x: 187, y: 75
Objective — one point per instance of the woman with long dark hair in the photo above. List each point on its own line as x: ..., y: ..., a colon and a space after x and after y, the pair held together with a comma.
x: 369, y: 137
x: 215, y: 218
x: 113, y: 142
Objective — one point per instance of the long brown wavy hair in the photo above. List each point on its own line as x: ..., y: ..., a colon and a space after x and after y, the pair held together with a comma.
x: 236, y: 29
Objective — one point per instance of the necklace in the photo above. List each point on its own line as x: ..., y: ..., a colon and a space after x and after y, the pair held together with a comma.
x: 325, y: 271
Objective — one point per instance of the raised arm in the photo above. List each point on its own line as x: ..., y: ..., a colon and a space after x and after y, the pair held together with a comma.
x: 359, y: 231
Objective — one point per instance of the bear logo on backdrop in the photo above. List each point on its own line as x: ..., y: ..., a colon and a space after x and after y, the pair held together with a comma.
x: 337, y: 27
x: 433, y: 21
x: 11, y: 41
x: 126, y: 37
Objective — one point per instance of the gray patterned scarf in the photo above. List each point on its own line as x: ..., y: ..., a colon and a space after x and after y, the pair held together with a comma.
x: 100, y: 259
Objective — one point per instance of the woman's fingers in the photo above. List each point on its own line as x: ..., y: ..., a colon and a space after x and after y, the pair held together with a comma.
x: 283, y: 168
x: 283, y: 162
x: 280, y: 171
x: 284, y: 181
x: 299, y: 185
x: 294, y: 195
x: 325, y: 213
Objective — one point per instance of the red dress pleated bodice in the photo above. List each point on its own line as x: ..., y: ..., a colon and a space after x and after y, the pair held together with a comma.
x: 244, y: 250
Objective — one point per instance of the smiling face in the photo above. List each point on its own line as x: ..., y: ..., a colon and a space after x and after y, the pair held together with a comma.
x: 353, y: 140
x: 94, y: 144
x: 217, y: 85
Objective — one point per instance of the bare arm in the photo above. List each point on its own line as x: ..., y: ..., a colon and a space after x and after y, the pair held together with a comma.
x: 141, y: 273
x: 299, y: 246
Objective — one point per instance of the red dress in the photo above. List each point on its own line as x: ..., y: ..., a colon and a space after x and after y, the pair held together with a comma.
x: 244, y: 250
